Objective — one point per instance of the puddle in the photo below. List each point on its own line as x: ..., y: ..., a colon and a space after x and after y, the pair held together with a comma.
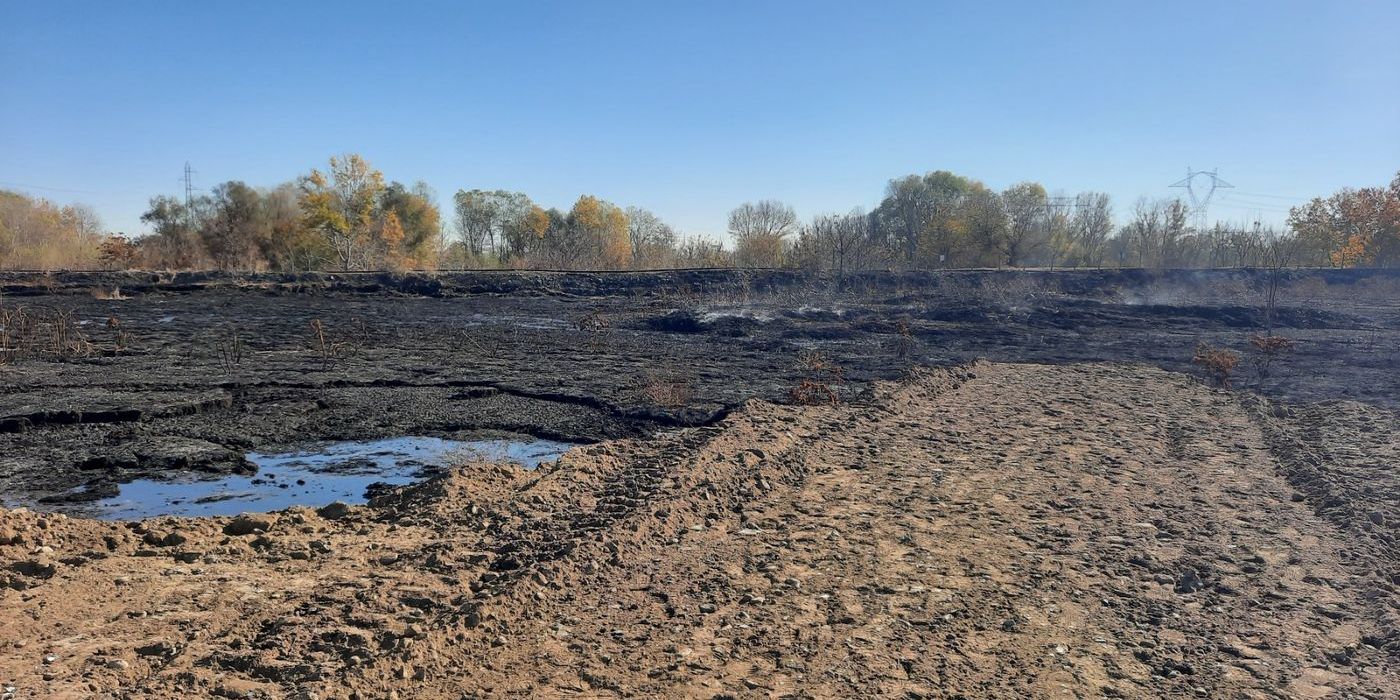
x: 314, y: 477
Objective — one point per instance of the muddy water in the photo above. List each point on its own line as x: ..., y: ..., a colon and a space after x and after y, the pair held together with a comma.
x: 316, y: 476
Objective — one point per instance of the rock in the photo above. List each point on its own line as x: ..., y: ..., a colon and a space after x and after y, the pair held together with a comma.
x: 334, y: 511
x: 118, y: 664
x: 37, y: 568
x: 707, y: 608
x: 1377, y: 517
x: 174, y: 452
x: 157, y: 649
x: 156, y: 538
x: 247, y: 524
x: 1189, y: 582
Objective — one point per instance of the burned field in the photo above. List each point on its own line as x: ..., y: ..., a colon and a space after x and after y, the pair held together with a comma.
x: 976, y: 483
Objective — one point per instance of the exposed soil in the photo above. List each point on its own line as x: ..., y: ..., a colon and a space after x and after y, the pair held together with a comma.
x: 988, y: 531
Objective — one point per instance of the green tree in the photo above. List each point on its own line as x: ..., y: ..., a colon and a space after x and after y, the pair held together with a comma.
x: 1027, y: 223
x: 232, y: 230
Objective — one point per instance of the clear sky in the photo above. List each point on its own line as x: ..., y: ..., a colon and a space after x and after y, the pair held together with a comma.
x: 691, y: 108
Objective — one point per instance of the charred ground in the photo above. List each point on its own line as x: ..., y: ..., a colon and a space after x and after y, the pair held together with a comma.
x: 188, y: 371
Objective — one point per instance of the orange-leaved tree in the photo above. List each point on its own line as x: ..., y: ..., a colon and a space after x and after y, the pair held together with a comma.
x: 342, y: 204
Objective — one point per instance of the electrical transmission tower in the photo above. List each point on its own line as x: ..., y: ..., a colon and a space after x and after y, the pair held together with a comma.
x: 189, y: 195
x: 1200, y: 194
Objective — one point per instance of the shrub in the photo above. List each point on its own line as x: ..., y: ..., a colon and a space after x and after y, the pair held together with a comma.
x: 1267, y: 349
x: 1218, y: 363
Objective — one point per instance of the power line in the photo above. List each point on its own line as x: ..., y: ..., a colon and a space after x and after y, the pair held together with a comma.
x: 50, y: 189
x: 1272, y: 196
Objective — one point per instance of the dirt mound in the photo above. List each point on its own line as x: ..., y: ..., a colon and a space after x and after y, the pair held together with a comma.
x: 987, y: 531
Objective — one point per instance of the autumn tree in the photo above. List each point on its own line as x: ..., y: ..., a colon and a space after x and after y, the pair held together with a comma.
x: 528, y: 233
x: 601, y: 228
x: 1352, y: 227
x: 38, y: 234
x: 419, y: 224
x: 285, y: 242
x: 341, y: 205
x: 118, y: 253
x: 760, y: 231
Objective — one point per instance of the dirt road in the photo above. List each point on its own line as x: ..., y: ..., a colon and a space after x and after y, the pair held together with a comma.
x: 986, y: 531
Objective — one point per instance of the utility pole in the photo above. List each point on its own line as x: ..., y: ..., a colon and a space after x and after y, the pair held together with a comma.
x: 1200, y: 194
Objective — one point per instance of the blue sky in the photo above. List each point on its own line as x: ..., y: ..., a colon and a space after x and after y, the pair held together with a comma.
x: 690, y: 109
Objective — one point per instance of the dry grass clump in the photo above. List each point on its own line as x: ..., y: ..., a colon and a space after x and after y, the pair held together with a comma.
x: 596, y: 325
x: 813, y: 393
x: 231, y: 351
x: 667, y: 390
x: 816, y: 388
x: 114, y: 294
x: 40, y: 333
x: 121, y: 337
x: 904, y: 338
x: 1218, y: 363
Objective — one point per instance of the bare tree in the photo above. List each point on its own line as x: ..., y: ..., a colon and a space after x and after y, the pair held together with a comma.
x: 840, y: 242
x: 651, y: 238
x: 760, y: 231
x: 1093, y: 222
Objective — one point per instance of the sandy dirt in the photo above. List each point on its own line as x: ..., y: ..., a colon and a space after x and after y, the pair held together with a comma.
x: 989, y: 530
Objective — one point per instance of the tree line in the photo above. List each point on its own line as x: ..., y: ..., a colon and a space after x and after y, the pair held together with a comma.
x: 348, y: 217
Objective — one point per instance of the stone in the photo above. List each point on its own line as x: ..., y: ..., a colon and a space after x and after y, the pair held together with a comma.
x: 334, y: 511
x: 1189, y: 582
x: 247, y: 524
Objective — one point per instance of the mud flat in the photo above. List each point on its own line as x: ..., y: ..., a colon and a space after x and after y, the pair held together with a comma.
x: 990, y: 530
